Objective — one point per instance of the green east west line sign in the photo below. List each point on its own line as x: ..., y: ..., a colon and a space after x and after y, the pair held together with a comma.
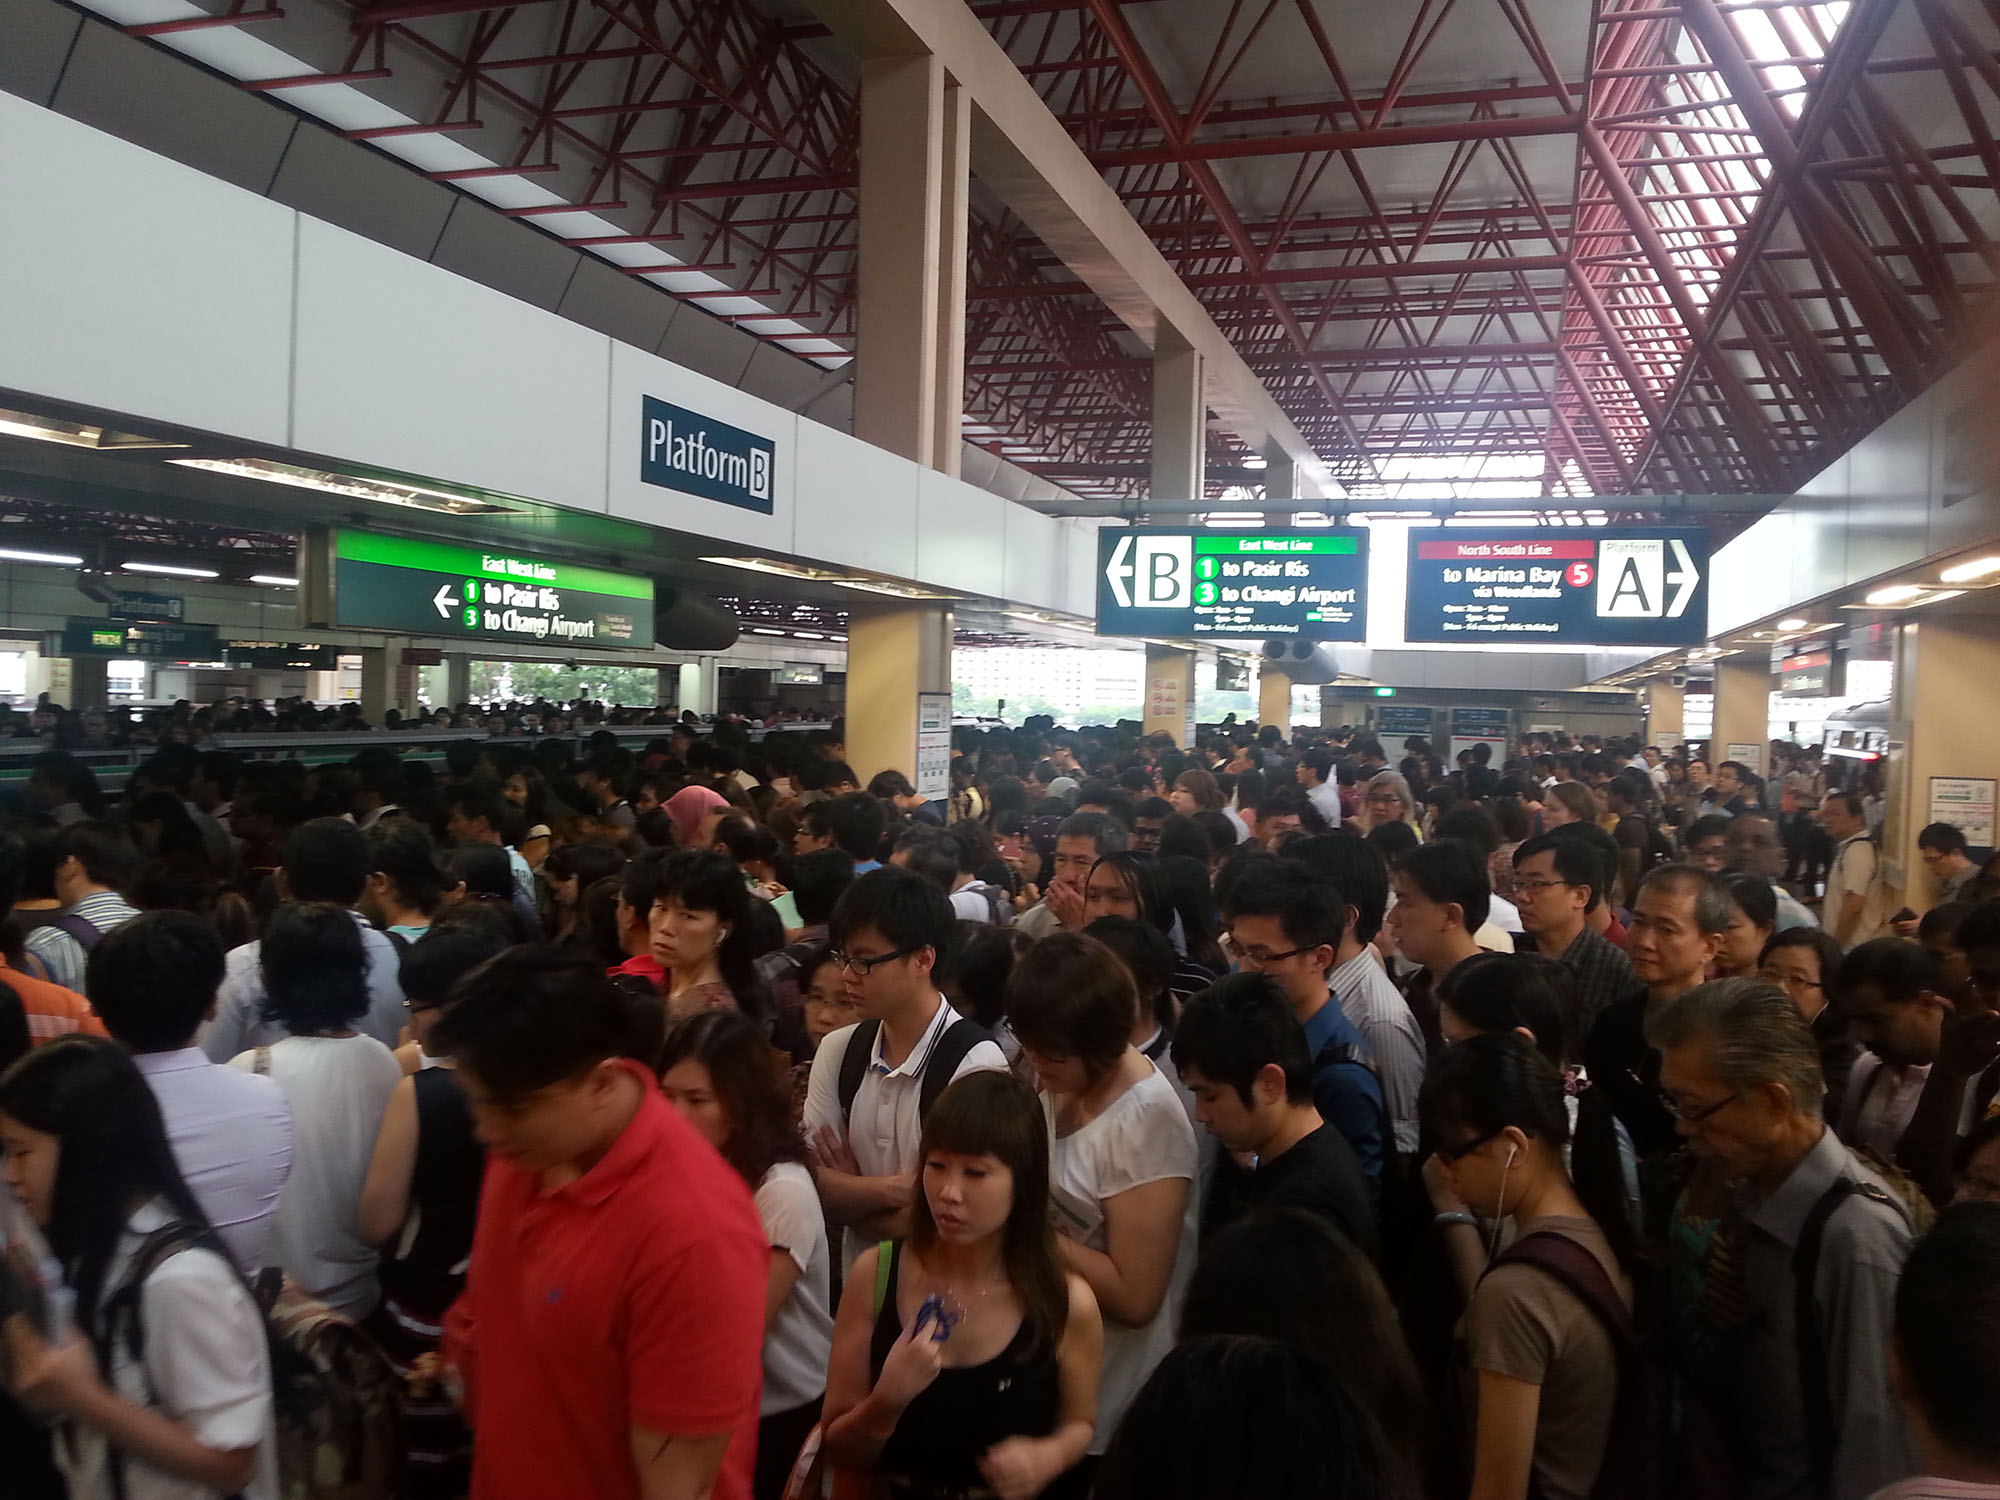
x: 421, y: 587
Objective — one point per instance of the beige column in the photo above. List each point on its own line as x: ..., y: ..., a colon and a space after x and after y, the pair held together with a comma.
x: 910, y: 277
x: 1665, y: 711
x: 378, y: 689
x: 89, y: 684
x: 1180, y: 411
x: 892, y: 655
x: 1743, y: 710
x: 1274, y: 697
x: 1945, y: 701
x: 1169, y: 692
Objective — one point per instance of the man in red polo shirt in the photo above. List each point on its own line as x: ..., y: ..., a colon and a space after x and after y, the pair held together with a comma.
x: 611, y: 1330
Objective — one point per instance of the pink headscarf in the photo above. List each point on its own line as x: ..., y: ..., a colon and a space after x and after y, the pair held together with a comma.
x: 689, y: 806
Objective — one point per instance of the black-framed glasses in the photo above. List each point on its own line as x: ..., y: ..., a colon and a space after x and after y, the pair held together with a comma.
x: 1536, y: 887
x: 1263, y: 955
x: 855, y: 963
x: 1451, y: 1156
x: 1699, y: 1113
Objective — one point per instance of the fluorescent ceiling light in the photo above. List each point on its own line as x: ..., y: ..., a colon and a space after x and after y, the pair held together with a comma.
x: 381, y: 491
x: 1895, y: 593
x: 75, y: 434
x: 169, y: 570
x: 57, y: 559
x: 1795, y: 623
x: 764, y: 630
x: 272, y: 580
x: 809, y: 635
x: 807, y: 574
x: 1966, y: 572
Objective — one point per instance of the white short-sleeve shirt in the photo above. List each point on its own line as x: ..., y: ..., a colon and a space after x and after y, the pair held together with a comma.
x: 1143, y: 1137
x: 206, y: 1366
x: 885, y: 1130
x: 800, y: 1341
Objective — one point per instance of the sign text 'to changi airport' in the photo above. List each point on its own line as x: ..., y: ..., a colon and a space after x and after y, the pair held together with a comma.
x: 1636, y: 586
x: 431, y: 588
x: 1195, y: 582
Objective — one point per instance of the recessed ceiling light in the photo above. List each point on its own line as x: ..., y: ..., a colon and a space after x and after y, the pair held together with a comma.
x: 1895, y: 593
x: 1966, y: 572
x: 272, y: 580
x: 1795, y: 623
x: 57, y: 559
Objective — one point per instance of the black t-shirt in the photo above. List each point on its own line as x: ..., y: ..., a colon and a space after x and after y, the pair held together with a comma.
x: 1319, y: 1174
x: 1620, y: 1062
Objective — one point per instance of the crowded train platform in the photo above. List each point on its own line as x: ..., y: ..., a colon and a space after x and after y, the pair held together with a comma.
x: 990, y: 749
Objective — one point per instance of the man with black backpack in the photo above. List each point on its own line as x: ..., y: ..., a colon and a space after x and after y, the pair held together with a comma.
x: 1785, y: 1250
x: 873, y: 1082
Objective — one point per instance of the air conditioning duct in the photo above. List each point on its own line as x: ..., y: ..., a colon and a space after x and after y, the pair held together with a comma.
x: 1306, y: 662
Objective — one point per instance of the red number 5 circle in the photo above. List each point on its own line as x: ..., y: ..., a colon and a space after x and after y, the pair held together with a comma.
x: 1579, y: 575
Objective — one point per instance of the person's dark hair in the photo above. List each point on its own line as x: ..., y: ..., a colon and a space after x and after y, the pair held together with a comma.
x: 1941, y: 838
x: 1229, y: 1417
x: 442, y: 956
x: 1818, y: 939
x: 107, y: 856
x: 905, y: 910
x: 818, y: 879
x: 1755, y: 897
x: 1237, y: 1027
x: 1947, y: 1330
x: 1070, y: 996
x: 1497, y: 1079
x: 977, y: 980
x: 1357, y: 871
x: 89, y: 1094
x: 702, y: 880
x: 1106, y: 834
x: 1899, y: 969
x: 1574, y: 861
x: 77, y: 782
x: 1471, y: 824
x: 403, y: 850
x: 585, y: 862
x: 927, y: 850
x: 1287, y: 1274
x: 754, y: 1099
x: 599, y: 904
x: 1309, y: 910
x: 996, y: 1114
x: 483, y: 869
x: 1391, y: 840
x: 1183, y: 837
x: 1451, y: 873
x: 535, y: 1016
x: 480, y: 799
x: 1707, y: 826
x: 178, y: 833
x: 314, y: 967
x: 855, y: 821
x: 1222, y: 832
x: 15, y: 1039
x: 1148, y: 956
x: 1204, y: 788
x: 1143, y: 880
x: 1497, y: 992
x: 327, y: 859
x: 152, y: 979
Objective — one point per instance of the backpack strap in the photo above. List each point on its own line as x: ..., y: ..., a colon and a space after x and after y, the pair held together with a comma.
x: 1822, y: 1432
x: 86, y: 932
x: 260, y: 1062
x: 952, y: 1049
x: 124, y: 1311
x: 854, y: 1063
x: 1582, y: 1274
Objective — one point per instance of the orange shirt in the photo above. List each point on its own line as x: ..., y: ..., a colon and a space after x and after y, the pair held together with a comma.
x: 52, y: 1010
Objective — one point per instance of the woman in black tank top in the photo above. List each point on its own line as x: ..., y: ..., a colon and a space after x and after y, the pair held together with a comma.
x: 1003, y: 1403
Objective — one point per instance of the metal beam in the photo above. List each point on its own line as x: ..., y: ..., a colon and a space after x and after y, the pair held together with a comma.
x: 1387, y: 137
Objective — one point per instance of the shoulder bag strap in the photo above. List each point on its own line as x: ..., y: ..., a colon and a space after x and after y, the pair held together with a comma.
x: 952, y: 1048
x: 885, y: 1269
x: 82, y: 929
x: 124, y: 1311
x: 1582, y: 1273
x: 1815, y: 1398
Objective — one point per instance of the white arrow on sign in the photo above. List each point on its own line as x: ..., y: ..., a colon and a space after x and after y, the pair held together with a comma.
x: 1118, y: 570
x: 444, y: 599
x: 1686, y: 576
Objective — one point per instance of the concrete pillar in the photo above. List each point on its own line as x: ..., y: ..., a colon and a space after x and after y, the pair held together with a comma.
x: 1943, y: 705
x: 377, y: 684
x: 89, y: 683
x: 457, y: 678
x: 696, y: 689
x: 909, y: 374
x: 1169, y: 687
x: 1743, y: 710
x: 667, y: 686
x: 1274, y: 698
x: 1180, y: 417
x: 1281, y: 473
x: 892, y: 655
x: 1665, y: 711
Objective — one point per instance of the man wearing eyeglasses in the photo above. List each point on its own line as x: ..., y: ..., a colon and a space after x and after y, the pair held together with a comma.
x: 1786, y: 1250
x: 871, y: 1081
x: 1556, y: 887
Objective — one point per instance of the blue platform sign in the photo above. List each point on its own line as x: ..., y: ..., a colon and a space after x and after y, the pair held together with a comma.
x: 683, y: 450
x: 1622, y: 586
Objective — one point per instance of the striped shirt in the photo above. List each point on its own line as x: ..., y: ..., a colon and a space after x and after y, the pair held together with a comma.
x: 61, y: 956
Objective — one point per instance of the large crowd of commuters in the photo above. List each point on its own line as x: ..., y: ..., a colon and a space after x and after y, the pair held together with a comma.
x: 1259, y: 1119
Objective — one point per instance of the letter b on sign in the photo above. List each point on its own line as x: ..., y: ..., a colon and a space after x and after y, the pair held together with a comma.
x: 1164, y: 572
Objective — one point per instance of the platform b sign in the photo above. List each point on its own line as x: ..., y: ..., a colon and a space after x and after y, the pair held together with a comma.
x: 1152, y: 572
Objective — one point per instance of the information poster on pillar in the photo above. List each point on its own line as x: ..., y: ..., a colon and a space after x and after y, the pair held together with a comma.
x: 422, y: 587
x: 1193, y: 582
x: 933, y: 778
x: 1490, y: 727
x: 1632, y: 586
x: 1966, y: 803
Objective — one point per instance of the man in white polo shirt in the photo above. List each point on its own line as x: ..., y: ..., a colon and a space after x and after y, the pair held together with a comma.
x: 872, y: 1081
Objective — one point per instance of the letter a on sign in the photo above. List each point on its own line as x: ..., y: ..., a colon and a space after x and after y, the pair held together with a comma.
x: 1631, y: 578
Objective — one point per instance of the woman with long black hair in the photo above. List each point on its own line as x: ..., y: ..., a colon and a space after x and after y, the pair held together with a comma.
x: 1537, y: 1336
x: 702, y: 938
x: 185, y: 1412
x: 1126, y: 884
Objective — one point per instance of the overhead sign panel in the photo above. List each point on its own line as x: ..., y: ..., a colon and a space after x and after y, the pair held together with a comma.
x: 423, y: 587
x: 1635, y: 586
x: 146, y: 642
x: 683, y: 450
x: 1187, y: 581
